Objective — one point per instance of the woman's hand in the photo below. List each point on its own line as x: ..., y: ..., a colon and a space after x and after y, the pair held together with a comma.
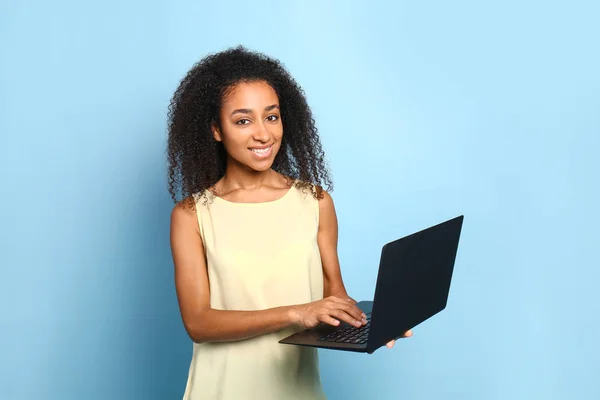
x: 331, y: 310
x: 390, y: 344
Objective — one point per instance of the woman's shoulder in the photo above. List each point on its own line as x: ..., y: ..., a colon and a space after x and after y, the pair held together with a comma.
x: 183, y: 214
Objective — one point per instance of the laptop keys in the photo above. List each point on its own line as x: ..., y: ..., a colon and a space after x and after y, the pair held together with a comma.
x: 350, y: 335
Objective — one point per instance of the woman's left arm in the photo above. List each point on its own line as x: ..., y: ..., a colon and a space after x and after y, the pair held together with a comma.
x: 327, y: 239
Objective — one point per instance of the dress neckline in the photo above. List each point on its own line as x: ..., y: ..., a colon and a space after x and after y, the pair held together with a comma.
x: 277, y: 200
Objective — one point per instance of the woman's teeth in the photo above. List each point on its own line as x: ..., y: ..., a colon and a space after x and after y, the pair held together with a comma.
x: 261, y: 151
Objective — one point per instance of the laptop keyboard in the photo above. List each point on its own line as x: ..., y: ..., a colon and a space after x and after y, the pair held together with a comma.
x: 350, y: 334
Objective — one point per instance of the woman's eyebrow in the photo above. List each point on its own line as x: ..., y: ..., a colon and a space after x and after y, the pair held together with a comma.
x: 249, y: 110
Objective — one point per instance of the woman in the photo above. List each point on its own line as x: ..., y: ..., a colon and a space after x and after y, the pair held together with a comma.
x: 254, y: 236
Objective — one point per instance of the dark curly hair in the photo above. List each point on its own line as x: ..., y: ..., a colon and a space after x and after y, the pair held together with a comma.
x: 197, y: 161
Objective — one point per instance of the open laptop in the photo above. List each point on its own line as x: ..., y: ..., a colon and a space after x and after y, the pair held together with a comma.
x: 413, y: 283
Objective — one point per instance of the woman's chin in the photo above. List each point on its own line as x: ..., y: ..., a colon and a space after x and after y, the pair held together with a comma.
x: 261, y: 167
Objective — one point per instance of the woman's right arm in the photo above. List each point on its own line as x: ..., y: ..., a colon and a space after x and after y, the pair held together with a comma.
x: 204, y: 324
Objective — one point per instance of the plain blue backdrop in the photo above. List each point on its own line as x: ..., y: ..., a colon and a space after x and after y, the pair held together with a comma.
x: 426, y: 109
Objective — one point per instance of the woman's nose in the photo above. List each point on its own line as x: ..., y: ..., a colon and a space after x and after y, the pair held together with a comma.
x: 261, y: 134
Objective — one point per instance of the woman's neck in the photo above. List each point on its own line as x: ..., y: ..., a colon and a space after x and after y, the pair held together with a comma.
x: 239, y: 177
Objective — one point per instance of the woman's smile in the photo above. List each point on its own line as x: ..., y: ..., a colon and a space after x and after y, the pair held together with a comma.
x: 262, y: 152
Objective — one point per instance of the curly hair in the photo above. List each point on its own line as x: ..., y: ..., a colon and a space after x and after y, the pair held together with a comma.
x: 196, y: 161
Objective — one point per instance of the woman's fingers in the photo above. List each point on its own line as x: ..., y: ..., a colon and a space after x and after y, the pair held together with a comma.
x: 350, y: 308
x: 328, y: 320
x: 342, y: 315
x: 355, y: 312
x: 336, y: 309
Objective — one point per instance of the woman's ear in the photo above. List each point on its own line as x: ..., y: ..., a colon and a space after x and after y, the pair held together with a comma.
x: 216, y: 133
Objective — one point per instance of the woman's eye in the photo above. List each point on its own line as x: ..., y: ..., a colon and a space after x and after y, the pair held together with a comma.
x: 243, y: 121
x: 273, y: 118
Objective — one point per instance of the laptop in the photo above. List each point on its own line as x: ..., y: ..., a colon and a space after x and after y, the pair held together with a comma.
x: 413, y: 283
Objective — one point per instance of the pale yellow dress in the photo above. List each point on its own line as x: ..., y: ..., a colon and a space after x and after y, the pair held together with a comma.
x: 259, y: 256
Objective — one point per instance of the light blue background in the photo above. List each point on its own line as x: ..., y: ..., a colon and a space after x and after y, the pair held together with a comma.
x: 427, y: 110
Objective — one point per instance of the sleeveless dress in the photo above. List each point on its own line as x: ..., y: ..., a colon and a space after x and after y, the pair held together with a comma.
x: 259, y: 256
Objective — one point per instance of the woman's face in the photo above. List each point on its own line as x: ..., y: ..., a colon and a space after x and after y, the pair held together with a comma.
x: 251, y: 127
